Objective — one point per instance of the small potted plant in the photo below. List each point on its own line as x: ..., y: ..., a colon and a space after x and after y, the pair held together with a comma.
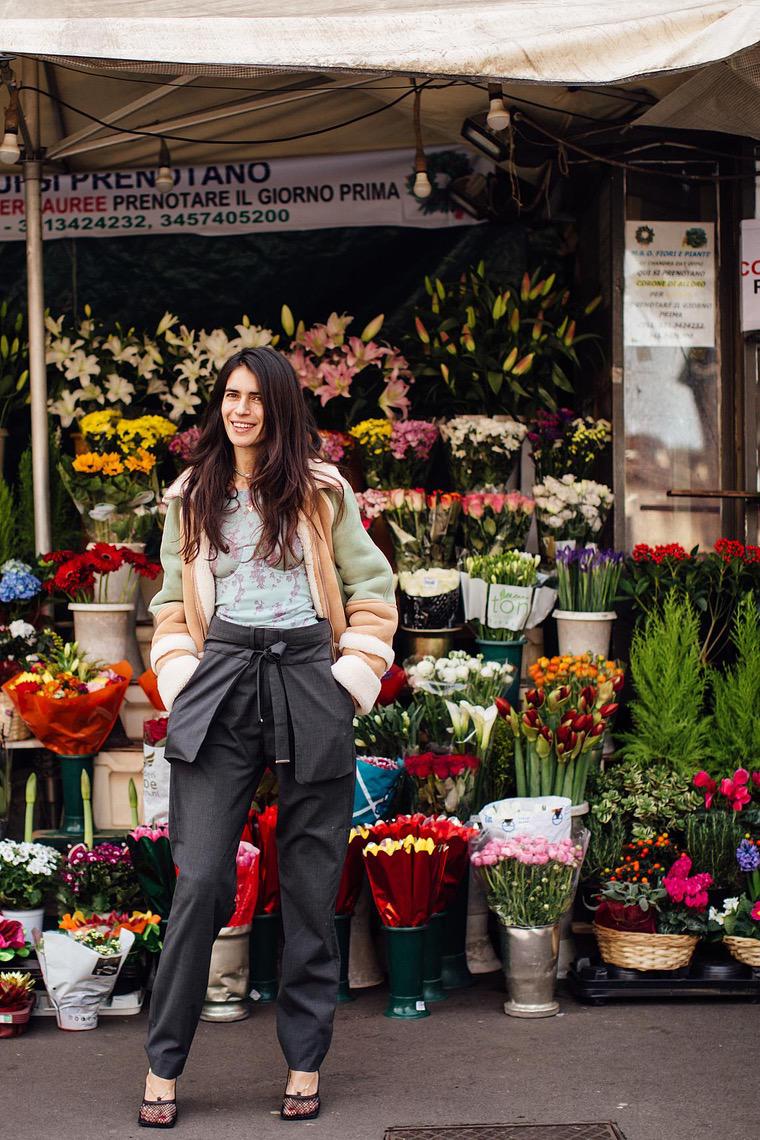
x: 16, y: 1002
x: 740, y: 916
x: 27, y: 871
x: 530, y: 883
x: 587, y: 585
x: 652, y: 921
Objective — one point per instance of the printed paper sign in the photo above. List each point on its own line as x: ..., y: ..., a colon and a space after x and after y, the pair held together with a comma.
x: 750, y: 275
x: 258, y: 196
x: 669, y: 284
x: 508, y: 606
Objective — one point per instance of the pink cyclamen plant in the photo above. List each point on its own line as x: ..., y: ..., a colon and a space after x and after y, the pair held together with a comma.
x: 683, y: 887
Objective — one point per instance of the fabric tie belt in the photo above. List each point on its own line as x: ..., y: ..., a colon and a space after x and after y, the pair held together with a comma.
x: 273, y: 656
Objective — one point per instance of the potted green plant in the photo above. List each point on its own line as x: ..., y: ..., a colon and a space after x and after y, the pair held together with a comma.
x: 16, y: 1002
x: 14, y: 371
x: 587, y: 584
x: 27, y: 872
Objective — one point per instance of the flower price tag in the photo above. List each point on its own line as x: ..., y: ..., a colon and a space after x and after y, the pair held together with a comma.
x: 509, y: 607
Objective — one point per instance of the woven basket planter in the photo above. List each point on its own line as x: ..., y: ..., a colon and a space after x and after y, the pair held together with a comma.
x: 12, y: 726
x: 635, y: 951
x: 746, y: 950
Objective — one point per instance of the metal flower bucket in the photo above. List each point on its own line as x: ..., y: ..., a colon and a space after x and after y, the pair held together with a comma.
x: 529, y: 957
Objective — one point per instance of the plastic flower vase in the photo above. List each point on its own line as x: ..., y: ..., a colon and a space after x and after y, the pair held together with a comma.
x: 71, y: 782
x: 265, y: 938
x: 454, y: 971
x: 512, y: 653
x: 14, y: 1021
x: 343, y: 933
x: 406, y: 955
x: 228, y: 977
x: 432, y: 982
x: 579, y: 632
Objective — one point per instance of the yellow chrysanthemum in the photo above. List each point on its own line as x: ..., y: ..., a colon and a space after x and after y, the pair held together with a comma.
x: 89, y: 463
x: 99, y: 423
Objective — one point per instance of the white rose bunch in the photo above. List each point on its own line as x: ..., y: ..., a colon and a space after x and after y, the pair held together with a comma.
x: 571, y: 508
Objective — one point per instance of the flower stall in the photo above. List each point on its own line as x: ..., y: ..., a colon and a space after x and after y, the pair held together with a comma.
x: 558, y: 778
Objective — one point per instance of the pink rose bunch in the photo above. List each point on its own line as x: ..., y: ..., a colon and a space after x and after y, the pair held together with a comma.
x: 474, y: 504
x: 682, y: 887
x: 413, y: 439
x: 533, y: 850
x: 152, y: 833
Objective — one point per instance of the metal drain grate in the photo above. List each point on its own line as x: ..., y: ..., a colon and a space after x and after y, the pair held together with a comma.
x: 607, y: 1131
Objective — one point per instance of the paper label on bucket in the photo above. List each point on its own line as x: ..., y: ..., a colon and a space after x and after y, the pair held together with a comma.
x: 420, y: 1006
x: 508, y: 606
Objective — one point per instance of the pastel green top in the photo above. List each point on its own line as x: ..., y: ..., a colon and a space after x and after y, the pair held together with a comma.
x: 249, y: 591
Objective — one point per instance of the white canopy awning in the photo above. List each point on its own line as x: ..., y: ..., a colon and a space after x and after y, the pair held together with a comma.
x: 578, y: 41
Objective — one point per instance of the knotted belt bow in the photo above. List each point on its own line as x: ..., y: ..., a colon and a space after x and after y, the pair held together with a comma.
x: 272, y: 655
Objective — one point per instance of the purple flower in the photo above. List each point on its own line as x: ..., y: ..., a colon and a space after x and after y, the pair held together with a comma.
x: 748, y: 856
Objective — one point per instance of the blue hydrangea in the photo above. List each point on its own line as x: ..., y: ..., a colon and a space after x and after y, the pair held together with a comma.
x: 748, y: 856
x: 19, y: 586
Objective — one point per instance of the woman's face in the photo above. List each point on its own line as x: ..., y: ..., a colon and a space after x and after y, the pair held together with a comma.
x: 243, y: 408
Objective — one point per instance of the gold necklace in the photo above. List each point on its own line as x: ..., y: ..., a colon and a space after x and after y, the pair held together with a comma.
x: 249, y: 505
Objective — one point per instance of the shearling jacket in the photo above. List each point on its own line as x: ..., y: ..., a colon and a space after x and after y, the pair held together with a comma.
x: 350, y: 581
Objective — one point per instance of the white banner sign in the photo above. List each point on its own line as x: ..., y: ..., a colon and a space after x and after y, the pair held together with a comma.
x: 669, y: 284
x: 258, y: 196
x: 750, y: 275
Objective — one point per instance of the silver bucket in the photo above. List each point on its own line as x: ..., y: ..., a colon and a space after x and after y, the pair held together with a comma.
x: 228, y: 977
x: 529, y: 956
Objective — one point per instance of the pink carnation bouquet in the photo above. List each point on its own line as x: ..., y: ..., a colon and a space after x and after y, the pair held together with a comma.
x: 529, y: 879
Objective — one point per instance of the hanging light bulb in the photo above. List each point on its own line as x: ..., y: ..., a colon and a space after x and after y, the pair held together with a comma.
x: 498, y: 117
x: 9, y: 148
x: 165, y: 176
x: 422, y: 187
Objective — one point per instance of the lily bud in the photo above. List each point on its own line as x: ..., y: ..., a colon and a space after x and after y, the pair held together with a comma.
x: 422, y: 332
x: 523, y: 365
x: 510, y: 361
x: 288, y: 323
x: 525, y: 287
x: 607, y: 711
x: 373, y: 328
x: 514, y: 321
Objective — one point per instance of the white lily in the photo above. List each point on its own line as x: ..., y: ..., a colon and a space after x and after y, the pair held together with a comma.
x: 459, y: 715
x: 183, y: 403
x: 119, y: 389
x: 483, y: 720
x: 65, y: 407
x: 166, y: 322
x: 252, y: 336
x: 81, y: 366
x: 216, y: 346
x: 59, y: 351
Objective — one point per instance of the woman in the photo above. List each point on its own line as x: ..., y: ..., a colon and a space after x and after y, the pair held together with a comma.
x: 274, y: 624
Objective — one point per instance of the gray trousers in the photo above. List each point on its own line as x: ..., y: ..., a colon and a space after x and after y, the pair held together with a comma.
x: 209, y: 802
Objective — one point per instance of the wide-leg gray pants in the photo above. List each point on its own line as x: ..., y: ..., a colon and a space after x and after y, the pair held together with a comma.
x: 209, y: 802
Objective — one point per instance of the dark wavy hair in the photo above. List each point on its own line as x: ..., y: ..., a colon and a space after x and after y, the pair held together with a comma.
x: 282, y: 483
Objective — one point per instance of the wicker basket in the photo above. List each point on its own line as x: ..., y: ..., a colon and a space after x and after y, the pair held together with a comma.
x: 746, y: 950
x: 12, y: 727
x: 636, y: 951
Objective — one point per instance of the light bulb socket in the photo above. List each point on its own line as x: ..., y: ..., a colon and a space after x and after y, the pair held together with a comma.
x: 422, y: 187
x: 164, y: 179
x: 498, y: 117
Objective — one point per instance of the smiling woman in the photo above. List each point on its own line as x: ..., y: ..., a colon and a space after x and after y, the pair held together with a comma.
x: 274, y: 624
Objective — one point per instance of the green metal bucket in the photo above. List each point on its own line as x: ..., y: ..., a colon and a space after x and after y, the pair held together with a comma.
x: 406, y: 955
x: 512, y: 653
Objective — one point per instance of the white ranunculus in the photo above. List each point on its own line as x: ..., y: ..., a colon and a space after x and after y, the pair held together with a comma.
x: 424, y: 668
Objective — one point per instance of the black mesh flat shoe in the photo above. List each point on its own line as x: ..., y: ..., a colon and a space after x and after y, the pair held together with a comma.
x: 297, y: 1106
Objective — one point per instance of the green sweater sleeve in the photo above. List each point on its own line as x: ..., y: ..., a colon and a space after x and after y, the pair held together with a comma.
x: 363, y: 569
x: 171, y: 591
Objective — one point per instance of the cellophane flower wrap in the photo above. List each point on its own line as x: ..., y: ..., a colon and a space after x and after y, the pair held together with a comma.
x: 352, y: 875
x: 498, y: 591
x: 437, y: 683
x: 482, y: 451
x: 529, y: 880
x: 448, y: 832
x: 69, y: 703
x: 443, y: 782
x: 247, y: 890
x: 21, y: 646
x: 156, y: 770
x: 80, y: 969
x: 405, y: 877
x: 153, y: 865
x: 264, y: 829
x: 495, y: 521
x: 423, y: 525
x: 395, y: 453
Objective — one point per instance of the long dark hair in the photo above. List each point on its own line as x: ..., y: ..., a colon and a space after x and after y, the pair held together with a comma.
x: 282, y: 483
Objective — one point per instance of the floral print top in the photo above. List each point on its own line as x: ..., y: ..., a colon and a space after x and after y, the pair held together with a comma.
x: 248, y: 590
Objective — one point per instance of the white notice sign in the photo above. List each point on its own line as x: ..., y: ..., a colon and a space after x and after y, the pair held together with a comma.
x: 669, y: 284
x: 750, y: 275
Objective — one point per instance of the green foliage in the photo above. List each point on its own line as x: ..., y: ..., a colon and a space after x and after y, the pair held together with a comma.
x: 711, y: 840
x: 605, y: 845
x: 667, y: 711
x: 736, y: 694
x: 64, y: 518
x: 484, y: 344
x: 647, y: 799
x: 14, y: 373
x: 495, y: 780
x: 7, y: 523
